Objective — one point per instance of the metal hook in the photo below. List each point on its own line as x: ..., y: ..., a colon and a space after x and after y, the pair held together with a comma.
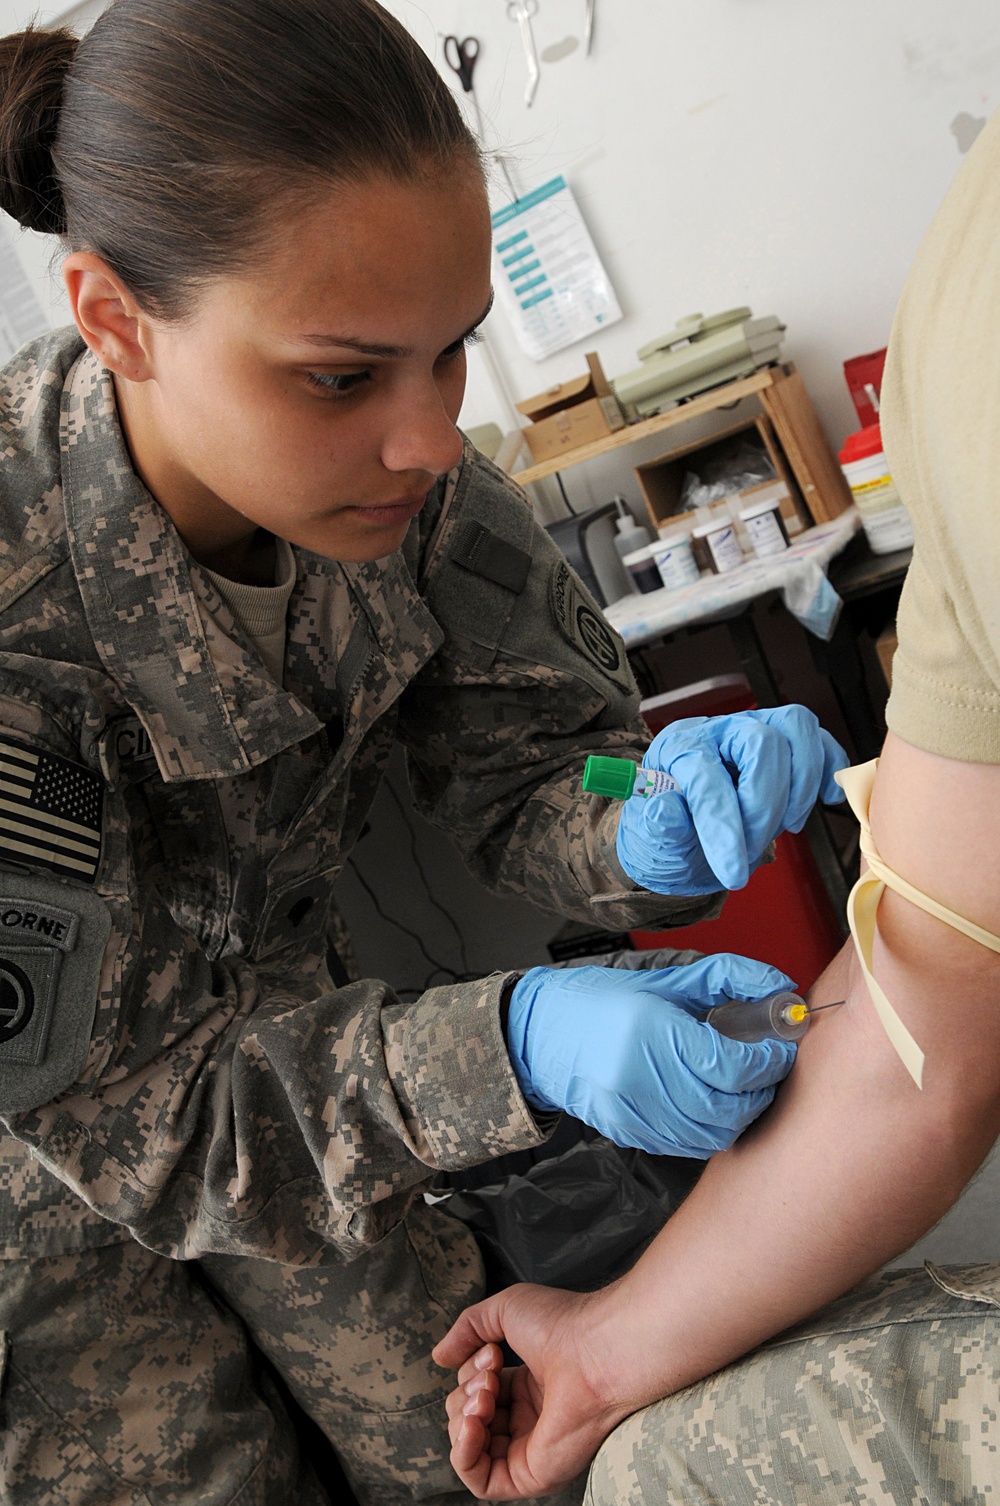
x: 522, y: 11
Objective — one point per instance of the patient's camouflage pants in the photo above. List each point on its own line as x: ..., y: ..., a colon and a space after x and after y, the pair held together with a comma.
x: 890, y: 1395
x: 128, y: 1380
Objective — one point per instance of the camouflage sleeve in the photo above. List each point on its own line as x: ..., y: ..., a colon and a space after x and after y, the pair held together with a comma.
x: 196, y: 1100
x: 530, y: 680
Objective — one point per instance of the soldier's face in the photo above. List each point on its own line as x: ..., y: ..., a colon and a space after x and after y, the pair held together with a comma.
x: 317, y: 396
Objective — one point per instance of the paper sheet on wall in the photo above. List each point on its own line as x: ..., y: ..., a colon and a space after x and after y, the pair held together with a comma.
x: 547, y: 273
x: 22, y: 317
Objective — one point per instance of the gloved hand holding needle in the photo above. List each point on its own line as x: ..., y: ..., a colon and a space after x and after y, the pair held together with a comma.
x: 741, y: 780
x: 631, y: 1053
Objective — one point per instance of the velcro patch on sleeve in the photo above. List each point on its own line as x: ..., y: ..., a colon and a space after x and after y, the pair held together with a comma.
x: 50, y: 812
x: 486, y: 554
x: 52, y: 943
x: 582, y: 625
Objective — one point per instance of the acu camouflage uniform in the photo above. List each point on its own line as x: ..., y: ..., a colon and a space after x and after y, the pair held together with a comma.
x: 179, y: 1080
x: 888, y: 1397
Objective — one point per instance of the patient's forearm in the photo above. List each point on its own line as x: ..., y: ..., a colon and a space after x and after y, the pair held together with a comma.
x: 851, y: 1165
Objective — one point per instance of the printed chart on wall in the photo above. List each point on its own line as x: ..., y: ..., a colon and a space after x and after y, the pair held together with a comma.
x: 546, y: 272
x: 22, y: 317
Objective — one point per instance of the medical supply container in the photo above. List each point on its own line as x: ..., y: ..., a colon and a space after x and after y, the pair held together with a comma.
x: 765, y: 526
x: 642, y: 570
x: 716, y: 546
x: 886, y: 521
x: 675, y: 559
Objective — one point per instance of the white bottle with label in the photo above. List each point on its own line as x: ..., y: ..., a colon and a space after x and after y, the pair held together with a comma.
x: 631, y: 535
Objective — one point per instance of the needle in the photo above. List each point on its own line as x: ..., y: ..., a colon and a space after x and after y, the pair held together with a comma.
x: 835, y: 1005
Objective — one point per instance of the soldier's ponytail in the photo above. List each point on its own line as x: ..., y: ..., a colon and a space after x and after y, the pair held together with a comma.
x: 175, y: 136
x: 33, y: 69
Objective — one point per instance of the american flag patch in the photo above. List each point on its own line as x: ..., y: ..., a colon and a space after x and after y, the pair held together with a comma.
x: 50, y: 812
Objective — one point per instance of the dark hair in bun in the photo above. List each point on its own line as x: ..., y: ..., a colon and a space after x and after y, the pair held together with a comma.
x: 33, y: 69
x: 176, y: 133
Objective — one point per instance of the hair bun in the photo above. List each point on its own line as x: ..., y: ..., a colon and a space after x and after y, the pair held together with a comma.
x: 33, y: 69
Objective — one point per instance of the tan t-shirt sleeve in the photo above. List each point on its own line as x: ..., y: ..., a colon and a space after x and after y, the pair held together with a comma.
x: 941, y: 429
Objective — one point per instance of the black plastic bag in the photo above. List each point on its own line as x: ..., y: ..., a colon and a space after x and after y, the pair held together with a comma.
x: 577, y: 1220
x: 577, y: 1217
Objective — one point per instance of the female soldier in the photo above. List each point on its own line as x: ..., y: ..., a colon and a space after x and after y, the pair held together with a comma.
x: 242, y: 551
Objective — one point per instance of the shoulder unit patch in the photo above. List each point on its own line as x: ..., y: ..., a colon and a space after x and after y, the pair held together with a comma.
x: 581, y: 624
x: 53, y: 937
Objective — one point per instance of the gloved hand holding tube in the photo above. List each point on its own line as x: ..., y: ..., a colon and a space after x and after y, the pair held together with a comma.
x: 741, y: 779
x: 630, y: 1053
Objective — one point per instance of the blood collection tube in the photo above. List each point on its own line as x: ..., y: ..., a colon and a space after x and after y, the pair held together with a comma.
x: 619, y: 778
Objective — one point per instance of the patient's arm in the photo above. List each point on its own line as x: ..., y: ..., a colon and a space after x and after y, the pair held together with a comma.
x: 851, y: 1165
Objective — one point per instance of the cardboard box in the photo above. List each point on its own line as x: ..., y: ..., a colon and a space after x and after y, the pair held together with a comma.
x: 571, y: 414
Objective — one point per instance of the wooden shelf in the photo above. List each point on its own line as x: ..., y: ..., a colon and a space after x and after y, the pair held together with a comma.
x: 707, y: 402
x: 783, y: 398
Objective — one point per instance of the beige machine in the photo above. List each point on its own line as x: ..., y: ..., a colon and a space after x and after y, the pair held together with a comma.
x: 700, y: 353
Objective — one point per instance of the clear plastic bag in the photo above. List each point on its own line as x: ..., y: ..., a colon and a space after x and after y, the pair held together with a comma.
x: 743, y: 465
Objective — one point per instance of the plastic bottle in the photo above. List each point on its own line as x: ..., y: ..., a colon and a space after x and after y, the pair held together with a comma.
x: 631, y: 535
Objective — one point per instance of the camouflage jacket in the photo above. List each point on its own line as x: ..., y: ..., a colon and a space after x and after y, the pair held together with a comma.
x: 175, y: 1064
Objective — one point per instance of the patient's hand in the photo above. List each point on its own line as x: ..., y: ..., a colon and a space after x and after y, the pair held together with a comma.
x: 528, y: 1430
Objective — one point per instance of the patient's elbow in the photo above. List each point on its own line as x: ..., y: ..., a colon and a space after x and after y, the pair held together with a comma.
x: 955, y: 1114
x: 963, y: 1095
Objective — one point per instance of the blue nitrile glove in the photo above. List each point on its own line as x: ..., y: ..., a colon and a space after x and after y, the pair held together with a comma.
x: 627, y: 1052
x: 714, y: 835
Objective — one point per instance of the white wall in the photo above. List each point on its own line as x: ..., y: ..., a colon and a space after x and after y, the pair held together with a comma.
x: 782, y: 153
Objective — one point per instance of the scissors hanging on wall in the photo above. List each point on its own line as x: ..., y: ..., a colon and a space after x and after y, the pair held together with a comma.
x: 461, y: 57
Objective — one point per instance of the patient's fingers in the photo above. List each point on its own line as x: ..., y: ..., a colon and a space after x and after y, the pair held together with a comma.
x: 480, y: 1411
x: 470, y: 1447
x: 479, y: 1401
x: 471, y: 1330
x: 489, y: 1357
x: 474, y: 1445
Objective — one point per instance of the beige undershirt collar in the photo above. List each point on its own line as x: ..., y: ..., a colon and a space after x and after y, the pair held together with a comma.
x: 261, y: 611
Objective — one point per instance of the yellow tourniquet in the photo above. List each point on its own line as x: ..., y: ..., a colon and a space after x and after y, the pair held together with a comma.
x: 862, y: 904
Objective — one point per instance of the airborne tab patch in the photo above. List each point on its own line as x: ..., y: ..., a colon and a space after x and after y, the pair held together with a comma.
x: 50, y: 812
x: 52, y: 945
x: 582, y: 625
x: 29, y: 974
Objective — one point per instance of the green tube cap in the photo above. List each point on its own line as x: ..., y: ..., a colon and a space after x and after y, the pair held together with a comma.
x: 612, y: 777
